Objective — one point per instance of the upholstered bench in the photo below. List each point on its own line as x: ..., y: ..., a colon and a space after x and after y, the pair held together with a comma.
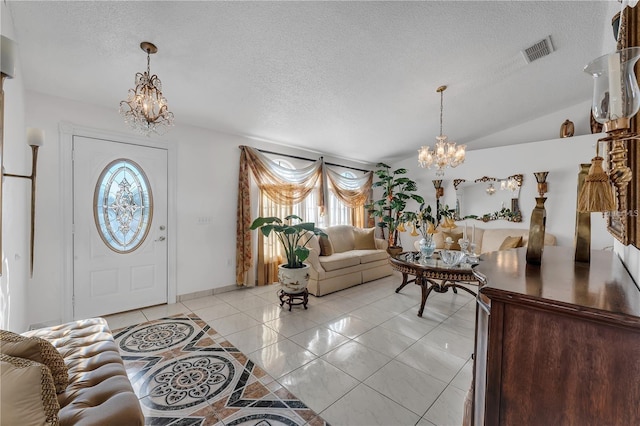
x: 98, y: 390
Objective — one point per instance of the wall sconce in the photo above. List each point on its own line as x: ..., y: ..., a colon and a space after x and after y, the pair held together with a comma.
x: 35, y: 139
x: 7, y: 70
x: 615, y: 101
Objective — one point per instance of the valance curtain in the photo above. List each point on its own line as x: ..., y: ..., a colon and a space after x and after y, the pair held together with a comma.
x: 285, y: 187
x: 353, y: 192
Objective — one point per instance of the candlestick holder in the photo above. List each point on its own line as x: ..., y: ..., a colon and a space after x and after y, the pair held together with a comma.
x: 535, y: 246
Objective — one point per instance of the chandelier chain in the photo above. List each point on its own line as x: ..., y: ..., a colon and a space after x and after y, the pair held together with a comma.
x: 441, y: 95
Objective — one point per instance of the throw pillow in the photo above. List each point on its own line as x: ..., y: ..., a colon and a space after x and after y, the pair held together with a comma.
x: 38, y: 350
x: 364, y: 238
x: 27, y: 395
x: 326, y: 248
x: 511, y: 242
x: 455, y: 237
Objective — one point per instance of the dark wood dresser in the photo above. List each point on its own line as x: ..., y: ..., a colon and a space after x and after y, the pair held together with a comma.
x: 556, y: 344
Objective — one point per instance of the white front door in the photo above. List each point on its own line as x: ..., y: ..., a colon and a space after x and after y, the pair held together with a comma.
x: 119, y: 226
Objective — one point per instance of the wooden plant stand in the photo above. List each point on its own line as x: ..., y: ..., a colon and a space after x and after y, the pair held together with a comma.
x: 290, y: 298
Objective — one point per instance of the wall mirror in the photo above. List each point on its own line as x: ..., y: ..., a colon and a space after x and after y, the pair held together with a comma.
x: 489, y: 198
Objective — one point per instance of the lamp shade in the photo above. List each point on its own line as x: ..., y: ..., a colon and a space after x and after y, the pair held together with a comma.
x: 7, y: 56
x: 35, y: 137
x: 615, y: 88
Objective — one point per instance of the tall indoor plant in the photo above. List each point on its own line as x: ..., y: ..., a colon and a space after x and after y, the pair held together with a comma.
x: 396, y: 191
x: 294, y: 274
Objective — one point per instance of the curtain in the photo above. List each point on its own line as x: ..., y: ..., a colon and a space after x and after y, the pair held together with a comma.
x: 270, y: 252
x: 244, y: 255
x: 279, y: 186
x: 283, y: 192
x: 352, y: 192
x: 283, y: 185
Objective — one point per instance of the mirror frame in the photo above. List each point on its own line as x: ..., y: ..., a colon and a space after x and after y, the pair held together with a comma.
x: 489, y: 216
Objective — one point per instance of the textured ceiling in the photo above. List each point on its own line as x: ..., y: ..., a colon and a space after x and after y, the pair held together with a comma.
x: 351, y: 79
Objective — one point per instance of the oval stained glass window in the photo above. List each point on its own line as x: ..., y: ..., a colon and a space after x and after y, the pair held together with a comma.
x: 123, y: 206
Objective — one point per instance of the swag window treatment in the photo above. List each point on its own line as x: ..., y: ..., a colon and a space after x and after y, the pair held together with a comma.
x: 353, y: 192
x: 285, y: 187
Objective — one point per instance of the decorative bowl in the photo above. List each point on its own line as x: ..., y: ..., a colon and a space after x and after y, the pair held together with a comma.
x: 451, y: 257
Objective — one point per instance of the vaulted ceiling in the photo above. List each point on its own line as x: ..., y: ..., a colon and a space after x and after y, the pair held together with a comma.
x: 351, y: 79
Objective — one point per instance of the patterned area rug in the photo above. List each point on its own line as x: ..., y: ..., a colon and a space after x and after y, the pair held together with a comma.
x: 185, y: 373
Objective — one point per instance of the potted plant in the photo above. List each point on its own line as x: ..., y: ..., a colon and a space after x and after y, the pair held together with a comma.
x: 294, y: 274
x: 426, y: 224
x: 396, y: 191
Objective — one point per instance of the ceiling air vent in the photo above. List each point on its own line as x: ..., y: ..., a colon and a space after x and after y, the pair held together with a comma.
x: 542, y: 48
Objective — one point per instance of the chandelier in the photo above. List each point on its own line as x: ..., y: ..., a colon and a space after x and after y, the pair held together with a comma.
x: 510, y: 183
x: 445, y: 154
x: 146, y: 110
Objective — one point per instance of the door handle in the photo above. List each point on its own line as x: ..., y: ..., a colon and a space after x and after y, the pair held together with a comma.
x: 161, y: 238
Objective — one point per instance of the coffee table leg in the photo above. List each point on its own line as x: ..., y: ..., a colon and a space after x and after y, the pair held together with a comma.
x: 404, y: 282
x: 426, y: 289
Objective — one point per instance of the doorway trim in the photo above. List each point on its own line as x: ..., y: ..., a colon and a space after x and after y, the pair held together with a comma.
x: 67, y: 131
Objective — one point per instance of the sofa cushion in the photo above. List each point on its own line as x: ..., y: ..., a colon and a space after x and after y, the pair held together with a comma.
x: 364, y: 239
x: 368, y: 256
x: 341, y: 237
x: 38, y: 350
x: 339, y: 260
x: 326, y: 248
x: 511, y: 242
x: 28, y: 394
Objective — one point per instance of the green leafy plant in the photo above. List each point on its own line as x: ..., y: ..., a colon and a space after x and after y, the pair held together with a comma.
x: 294, y: 238
x: 504, y: 213
x: 396, y: 191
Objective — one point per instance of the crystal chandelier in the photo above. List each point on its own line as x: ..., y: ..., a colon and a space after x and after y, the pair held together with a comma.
x: 445, y: 153
x: 146, y: 110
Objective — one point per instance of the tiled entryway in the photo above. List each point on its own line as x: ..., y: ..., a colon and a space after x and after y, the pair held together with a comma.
x: 360, y: 356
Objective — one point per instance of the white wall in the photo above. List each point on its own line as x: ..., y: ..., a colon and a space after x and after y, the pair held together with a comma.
x: 14, y: 282
x: 207, y: 179
x: 561, y: 157
x: 542, y: 128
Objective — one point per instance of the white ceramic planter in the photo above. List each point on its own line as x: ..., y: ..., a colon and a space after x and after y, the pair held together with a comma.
x: 293, y: 280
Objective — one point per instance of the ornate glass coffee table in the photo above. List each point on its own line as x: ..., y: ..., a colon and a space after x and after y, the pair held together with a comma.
x: 432, y: 275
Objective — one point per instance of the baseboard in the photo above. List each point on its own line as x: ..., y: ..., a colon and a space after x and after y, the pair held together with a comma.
x: 205, y: 293
x: 44, y: 324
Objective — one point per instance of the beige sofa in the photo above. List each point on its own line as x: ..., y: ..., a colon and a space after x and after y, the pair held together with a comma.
x: 70, y: 374
x: 356, y: 257
x: 488, y: 240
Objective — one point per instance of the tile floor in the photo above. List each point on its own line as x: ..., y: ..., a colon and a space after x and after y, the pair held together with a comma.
x: 360, y: 356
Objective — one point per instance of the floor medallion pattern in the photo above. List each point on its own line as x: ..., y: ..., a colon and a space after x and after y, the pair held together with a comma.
x: 187, y: 374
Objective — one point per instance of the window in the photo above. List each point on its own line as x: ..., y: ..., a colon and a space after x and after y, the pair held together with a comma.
x: 123, y: 206
x: 337, y: 212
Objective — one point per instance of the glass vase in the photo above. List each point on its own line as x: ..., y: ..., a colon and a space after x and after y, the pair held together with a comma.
x: 427, y: 247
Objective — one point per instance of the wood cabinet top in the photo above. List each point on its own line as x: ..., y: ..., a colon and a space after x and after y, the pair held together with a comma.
x: 602, y: 289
